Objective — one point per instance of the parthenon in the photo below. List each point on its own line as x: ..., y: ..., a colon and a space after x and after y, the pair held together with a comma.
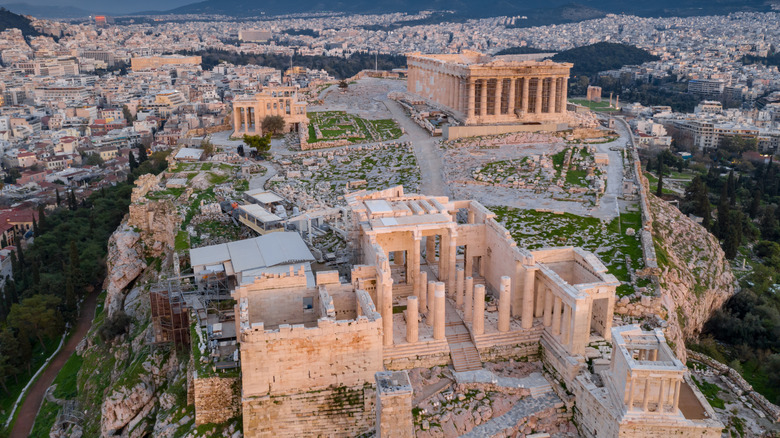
x: 479, y: 89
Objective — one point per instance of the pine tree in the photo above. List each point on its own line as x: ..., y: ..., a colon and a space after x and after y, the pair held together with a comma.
x: 71, y: 305
x: 72, y: 202
x: 755, y: 204
x: 142, y: 153
x: 732, y: 188
x: 733, y: 238
x: 131, y: 161
x: 723, y: 213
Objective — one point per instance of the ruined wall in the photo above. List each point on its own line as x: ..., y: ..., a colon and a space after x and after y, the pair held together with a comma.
x: 158, y: 221
x: 293, y: 358
x: 331, y: 412
x: 217, y: 399
x: 453, y: 132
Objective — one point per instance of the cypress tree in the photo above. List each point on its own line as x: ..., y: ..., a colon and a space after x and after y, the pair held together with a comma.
x: 755, y: 204
x: 41, y: 218
x: 732, y: 188
x: 723, y: 213
x: 59, y: 200
x: 36, y: 232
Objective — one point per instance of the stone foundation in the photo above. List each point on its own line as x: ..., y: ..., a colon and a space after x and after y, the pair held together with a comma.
x: 341, y: 411
x: 217, y: 399
x: 453, y: 132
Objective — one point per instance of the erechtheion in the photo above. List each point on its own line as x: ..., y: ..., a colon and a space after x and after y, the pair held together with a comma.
x: 437, y: 282
x: 250, y: 110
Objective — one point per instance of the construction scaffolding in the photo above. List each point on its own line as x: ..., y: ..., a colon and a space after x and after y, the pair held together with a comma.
x: 172, y: 300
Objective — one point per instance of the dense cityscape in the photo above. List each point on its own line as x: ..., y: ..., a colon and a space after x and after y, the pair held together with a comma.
x: 390, y: 225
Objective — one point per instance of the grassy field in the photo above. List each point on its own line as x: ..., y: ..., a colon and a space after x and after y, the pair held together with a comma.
x: 608, y: 240
x: 594, y: 106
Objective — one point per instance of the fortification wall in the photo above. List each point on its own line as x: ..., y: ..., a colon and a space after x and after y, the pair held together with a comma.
x: 335, y: 411
x: 217, y: 399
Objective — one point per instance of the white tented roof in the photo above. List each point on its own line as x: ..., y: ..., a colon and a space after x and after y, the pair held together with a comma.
x: 189, y: 154
x: 270, y: 250
x: 259, y: 213
x: 264, y: 196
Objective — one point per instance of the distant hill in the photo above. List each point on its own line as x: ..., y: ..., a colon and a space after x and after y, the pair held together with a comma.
x: 10, y: 20
x: 589, y: 60
x: 47, y: 11
x: 524, y: 50
x: 553, y: 11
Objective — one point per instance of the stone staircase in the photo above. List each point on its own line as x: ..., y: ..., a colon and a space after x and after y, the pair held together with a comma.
x: 520, y: 413
x: 464, y: 354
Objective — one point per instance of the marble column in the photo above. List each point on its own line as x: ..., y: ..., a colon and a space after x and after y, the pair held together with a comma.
x: 459, y: 284
x: 661, y: 396
x: 412, y: 313
x: 245, y: 119
x: 527, y: 315
x: 551, y: 98
x: 478, y: 323
x: 451, y: 261
x: 430, y: 249
x: 236, y: 119
x: 511, y: 104
x: 387, y: 314
x: 538, y: 103
x: 566, y: 325
x: 556, y: 319
x: 548, y: 303
x: 468, y: 299
x: 630, y: 402
x: 564, y: 92
x: 443, y: 253
x: 398, y: 258
x: 654, y: 355
x: 646, y: 397
x: 438, y: 312
x: 258, y: 121
x: 422, y: 291
x: 472, y: 99
x: 483, y: 98
x: 524, y: 97
x: 504, y: 304
x: 431, y: 303
x: 468, y: 262
x: 539, y: 301
x: 676, y: 399
x: 413, y: 263
x: 499, y: 94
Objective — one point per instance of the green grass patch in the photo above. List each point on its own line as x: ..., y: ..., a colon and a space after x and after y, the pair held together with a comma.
x: 182, y: 241
x: 594, y: 106
x: 710, y: 391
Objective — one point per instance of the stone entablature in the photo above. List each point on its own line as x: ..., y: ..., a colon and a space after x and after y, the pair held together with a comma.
x: 479, y: 89
x: 249, y: 111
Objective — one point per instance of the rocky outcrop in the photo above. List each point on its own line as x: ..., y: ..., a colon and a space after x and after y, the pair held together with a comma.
x: 123, y: 406
x: 124, y: 262
x: 158, y: 222
x: 696, y: 278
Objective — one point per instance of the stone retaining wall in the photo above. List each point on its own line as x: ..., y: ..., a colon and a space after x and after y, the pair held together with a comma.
x: 217, y: 399
x: 740, y: 384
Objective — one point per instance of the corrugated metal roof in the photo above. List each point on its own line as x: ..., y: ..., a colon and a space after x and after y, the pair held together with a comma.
x: 259, y: 213
x: 209, y: 255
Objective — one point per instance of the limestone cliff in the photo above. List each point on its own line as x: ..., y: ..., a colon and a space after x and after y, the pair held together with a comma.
x: 124, y: 262
x: 696, y: 278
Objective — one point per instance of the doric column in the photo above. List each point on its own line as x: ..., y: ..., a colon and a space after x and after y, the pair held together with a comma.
x: 564, y: 91
x: 499, y: 93
x: 472, y: 99
x: 413, y: 263
x: 468, y: 262
x: 412, y: 314
x: 236, y: 119
x: 528, y: 298
x: 511, y: 103
x: 443, y: 253
x: 422, y: 291
x: 646, y: 396
x: 483, y: 98
x: 468, y: 299
x: 548, y: 303
x: 387, y: 314
x: 526, y: 87
x: 451, y: 260
x: 431, y: 303
x: 654, y: 355
x: 539, y: 87
x: 504, y: 304
x: 459, y: 284
x: 398, y: 258
x: 551, y: 97
x: 556, y: 320
x: 438, y: 315
x: 430, y: 249
x: 461, y: 94
x: 478, y: 324
x: 566, y: 323
x: 539, y: 303
x: 258, y: 122
x: 630, y: 393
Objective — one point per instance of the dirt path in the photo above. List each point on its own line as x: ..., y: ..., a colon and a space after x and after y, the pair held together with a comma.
x: 32, y: 403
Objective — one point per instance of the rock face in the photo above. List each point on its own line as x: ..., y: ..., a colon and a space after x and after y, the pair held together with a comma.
x: 158, y: 222
x: 696, y: 278
x: 124, y: 262
x: 122, y: 406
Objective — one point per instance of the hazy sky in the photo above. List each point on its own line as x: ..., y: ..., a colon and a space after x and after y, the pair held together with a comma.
x: 103, y: 6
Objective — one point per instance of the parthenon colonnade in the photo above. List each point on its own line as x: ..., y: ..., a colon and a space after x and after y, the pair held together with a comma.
x: 481, y: 90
